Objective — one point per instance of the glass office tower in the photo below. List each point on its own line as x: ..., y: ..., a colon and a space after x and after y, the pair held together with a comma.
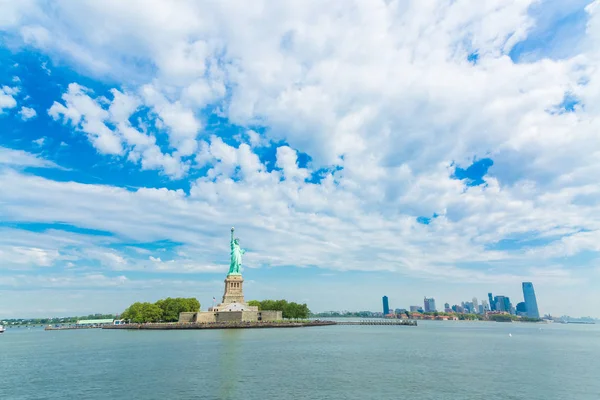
x: 386, y: 306
x: 530, y: 300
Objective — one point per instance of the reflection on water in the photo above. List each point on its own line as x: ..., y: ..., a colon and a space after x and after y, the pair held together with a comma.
x: 229, y: 363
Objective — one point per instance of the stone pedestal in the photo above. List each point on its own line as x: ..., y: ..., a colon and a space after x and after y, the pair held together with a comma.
x: 234, y: 292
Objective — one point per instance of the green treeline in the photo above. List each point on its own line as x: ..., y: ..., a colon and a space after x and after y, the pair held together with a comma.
x: 508, y: 318
x: 290, y: 310
x: 166, y: 310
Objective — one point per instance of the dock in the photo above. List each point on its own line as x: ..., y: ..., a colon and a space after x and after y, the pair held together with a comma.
x: 380, y: 322
x: 69, y: 327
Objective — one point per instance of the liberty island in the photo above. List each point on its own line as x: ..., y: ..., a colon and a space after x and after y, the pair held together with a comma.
x: 233, y: 307
x: 235, y: 312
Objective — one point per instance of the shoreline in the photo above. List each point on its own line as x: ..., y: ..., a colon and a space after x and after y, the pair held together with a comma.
x: 224, y: 325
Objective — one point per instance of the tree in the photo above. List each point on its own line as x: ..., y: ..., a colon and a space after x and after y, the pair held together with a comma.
x: 500, y: 317
x: 255, y: 303
x: 142, y: 312
x: 171, y: 307
x: 289, y: 310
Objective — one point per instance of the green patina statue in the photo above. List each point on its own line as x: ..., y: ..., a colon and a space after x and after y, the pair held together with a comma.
x: 236, y: 256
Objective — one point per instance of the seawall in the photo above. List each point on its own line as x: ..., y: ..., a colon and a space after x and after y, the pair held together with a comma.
x: 225, y: 325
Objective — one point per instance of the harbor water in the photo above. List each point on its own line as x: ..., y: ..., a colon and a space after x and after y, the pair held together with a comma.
x: 451, y: 360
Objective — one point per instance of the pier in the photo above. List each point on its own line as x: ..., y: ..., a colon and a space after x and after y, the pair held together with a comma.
x: 69, y: 327
x: 379, y: 322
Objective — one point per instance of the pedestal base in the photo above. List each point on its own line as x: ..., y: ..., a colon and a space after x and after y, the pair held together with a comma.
x: 234, y: 291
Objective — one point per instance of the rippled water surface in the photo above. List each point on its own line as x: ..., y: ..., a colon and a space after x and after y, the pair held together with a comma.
x: 436, y: 360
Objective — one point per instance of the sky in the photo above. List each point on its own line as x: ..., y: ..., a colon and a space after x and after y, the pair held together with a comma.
x: 360, y: 148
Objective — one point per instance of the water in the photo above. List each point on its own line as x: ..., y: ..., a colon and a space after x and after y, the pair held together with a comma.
x: 436, y: 360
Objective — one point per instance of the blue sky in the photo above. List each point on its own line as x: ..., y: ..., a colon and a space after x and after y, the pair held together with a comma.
x: 357, y: 155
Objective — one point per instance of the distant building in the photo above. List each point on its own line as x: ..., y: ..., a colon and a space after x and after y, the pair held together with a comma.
x: 492, y: 302
x: 414, y: 309
x: 386, y: 305
x: 530, y: 300
x: 400, y: 310
x: 429, y: 305
x: 447, y: 307
x: 486, y: 306
x: 468, y: 306
x: 96, y: 321
x: 521, y: 309
x: 502, y: 303
x: 475, y: 305
x: 458, y: 309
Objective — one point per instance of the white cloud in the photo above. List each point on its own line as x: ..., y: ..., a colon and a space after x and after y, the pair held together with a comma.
x: 90, y: 116
x: 19, y: 158
x: 7, y: 99
x: 26, y: 257
x: 181, y: 121
x: 381, y: 97
x: 27, y: 113
x: 87, y: 115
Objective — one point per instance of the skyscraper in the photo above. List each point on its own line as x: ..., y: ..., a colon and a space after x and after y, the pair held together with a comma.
x: 492, y: 302
x: 429, y: 305
x: 475, y: 305
x: 530, y: 300
x: 486, y: 306
x: 502, y: 303
x: 386, y: 306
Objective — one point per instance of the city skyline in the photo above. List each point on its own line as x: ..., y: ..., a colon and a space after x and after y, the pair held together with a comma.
x: 494, y: 303
x: 441, y: 149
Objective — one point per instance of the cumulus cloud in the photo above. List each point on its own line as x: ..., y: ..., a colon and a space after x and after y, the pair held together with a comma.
x: 27, y: 113
x: 385, y: 99
x: 7, y: 99
x: 90, y: 115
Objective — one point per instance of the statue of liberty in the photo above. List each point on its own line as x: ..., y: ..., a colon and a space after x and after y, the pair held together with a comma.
x: 236, y: 256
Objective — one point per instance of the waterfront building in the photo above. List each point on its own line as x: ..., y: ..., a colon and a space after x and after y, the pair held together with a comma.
x: 414, y: 309
x: 447, y: 307
x: 97, y: 322
x: 521, y: 309
x: 530, y: 300
x: 429, y: 305
x: 492, y: 302
x: 386, y: 305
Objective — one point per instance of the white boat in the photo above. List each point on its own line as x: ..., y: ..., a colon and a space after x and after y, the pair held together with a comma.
x: 2, y: 329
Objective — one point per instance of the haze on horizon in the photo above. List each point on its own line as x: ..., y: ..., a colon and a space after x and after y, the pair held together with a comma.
x: 403, y: 148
